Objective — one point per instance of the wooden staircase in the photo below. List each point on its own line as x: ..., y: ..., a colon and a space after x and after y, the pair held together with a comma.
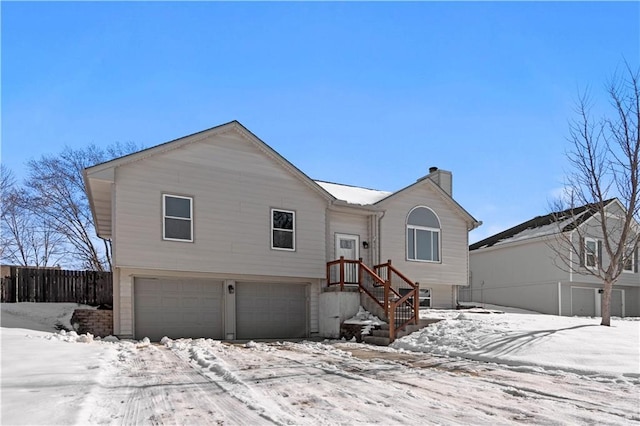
x: 384, y: 291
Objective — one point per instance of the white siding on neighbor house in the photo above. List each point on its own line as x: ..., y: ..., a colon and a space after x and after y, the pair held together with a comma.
x: 521, y: 275
x: 234, y: 185
x: 530, y: 274
x: 352, y: 224
x: 594, y: 231
x: 452, y: 269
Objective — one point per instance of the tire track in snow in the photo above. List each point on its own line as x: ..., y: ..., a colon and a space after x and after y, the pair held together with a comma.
x: 150, y: 384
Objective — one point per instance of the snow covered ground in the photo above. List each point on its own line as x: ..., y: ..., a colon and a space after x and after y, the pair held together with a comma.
x: 482, y: 366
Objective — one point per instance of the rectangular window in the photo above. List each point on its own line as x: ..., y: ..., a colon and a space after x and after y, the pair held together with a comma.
x: 590, y: 252
x: 177, y: 212
x: 630, y: 260
x: 425, y: 297
x: 283, y: 228
x: 423, y: 244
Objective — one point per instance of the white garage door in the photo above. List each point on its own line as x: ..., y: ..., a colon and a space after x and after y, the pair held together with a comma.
x: 177, y: 308
x: 588, y: 302
x: 583, y: 302
x: 271, y: 310
x: 617, y: 304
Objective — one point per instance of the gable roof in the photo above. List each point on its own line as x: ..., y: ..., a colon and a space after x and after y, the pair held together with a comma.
x: 98, y: 178
x: 473, y: 222
x: 539, y: 226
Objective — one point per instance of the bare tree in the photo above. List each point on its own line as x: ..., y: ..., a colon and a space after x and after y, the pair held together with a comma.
x: 26, y: 240
x: 56, y: 194
x: 602, y: 203
x: 7, y: 186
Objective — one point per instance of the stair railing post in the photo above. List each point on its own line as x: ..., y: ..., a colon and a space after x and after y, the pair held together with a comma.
x: 328, y: 275
x: 341, y: 273
x: 392, y: 322
x: 416, y: 304
x: 359, y: 271
x: 386, y: 296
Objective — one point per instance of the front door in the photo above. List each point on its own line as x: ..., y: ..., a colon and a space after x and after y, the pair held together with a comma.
x: 348, y: 245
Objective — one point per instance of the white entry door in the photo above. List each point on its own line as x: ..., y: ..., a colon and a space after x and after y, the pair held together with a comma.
x: 348, y: 245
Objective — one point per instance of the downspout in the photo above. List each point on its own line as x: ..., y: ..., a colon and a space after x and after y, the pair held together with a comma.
x: 571, y: 257
x: 378, y: 237
x: 559, y: 298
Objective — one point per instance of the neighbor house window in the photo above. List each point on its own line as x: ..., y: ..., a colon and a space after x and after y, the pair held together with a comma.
x: 590, y: 252
x: 423, y: 235
x: 283, y: 228
x: 177, y: 212
x: 630, y: 260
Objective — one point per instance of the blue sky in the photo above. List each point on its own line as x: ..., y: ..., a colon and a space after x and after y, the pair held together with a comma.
x: 367, y: 94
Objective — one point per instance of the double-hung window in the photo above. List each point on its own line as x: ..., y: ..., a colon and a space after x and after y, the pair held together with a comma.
x: 423, y: 235
x: 629, y: 262
x: 283, y: 229
x: 590, y: 252
x: 177, y: 218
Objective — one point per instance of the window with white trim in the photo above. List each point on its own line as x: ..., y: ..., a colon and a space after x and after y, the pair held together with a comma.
x: 630, y: 260
x: 590, y: 252
x: 423, y: 235
x: 425, y: 297
x: 177, y: 214
x: 283, y: 229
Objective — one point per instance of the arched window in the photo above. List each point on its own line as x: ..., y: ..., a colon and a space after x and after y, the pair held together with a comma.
x: 423, y: 235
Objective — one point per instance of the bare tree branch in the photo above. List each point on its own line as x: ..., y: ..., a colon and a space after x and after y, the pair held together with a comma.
x: 605, y: 162
x: 56, y: 195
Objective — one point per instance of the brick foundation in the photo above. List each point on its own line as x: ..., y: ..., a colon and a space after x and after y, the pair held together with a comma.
x: 95, y: 321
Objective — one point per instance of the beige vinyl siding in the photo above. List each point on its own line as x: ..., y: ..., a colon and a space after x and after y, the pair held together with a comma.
x: 452, y: 269
x: 441, y: 296
x: 314, y: 306
x: 234, y: 185
x: 352, y: 224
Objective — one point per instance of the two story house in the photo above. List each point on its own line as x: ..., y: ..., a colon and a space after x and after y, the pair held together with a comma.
x: 543, y: 265
x: 217, y: 235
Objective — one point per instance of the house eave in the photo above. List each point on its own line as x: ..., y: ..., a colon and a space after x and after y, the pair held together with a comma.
x: 517, y: 243
x: 99, y: 193
x: 472, y: 223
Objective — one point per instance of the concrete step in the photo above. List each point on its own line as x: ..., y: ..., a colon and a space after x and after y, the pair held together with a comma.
x: 377, y: 340
x: 380, y: 336
x: 380, y: 333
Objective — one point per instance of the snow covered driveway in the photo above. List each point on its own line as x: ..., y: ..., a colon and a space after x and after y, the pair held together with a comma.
x: 487, y: 367
x: 209, y: 382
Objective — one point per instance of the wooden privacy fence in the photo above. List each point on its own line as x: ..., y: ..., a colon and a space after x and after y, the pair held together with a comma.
x: 56, y: 285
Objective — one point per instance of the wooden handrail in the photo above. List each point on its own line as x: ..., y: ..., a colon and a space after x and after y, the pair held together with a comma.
x: 392, y: 298
x: 395, y: 271
x: 373, y: 274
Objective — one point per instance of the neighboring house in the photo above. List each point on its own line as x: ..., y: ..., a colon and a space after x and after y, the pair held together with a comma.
x: 520, y: 267
x: 217, y: 235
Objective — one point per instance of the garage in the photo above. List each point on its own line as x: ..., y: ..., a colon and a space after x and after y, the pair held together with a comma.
x: 583, y: 301
x: 177, y: 308
x: 271, y: 310
x: 587, y: 302
x: 617, y: 303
